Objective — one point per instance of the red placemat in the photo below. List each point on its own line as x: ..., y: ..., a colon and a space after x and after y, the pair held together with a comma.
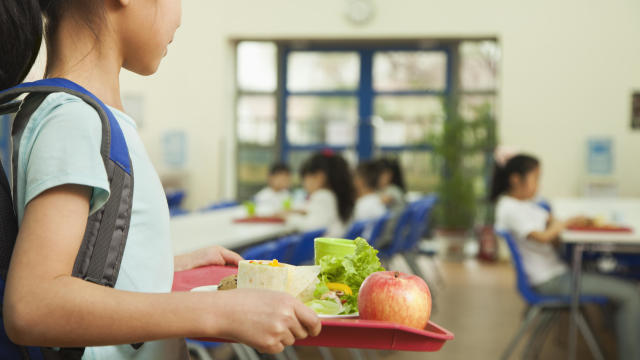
x: 618, y: 229
x: 260, y: 220
x: 348, y: 333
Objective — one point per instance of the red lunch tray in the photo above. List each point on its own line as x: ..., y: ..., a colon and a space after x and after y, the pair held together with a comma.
x: 618, y: 229
x: 260, y: 220
x: 347, y: 333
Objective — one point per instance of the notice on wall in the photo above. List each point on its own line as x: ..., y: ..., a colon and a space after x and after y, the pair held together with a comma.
x: 600, y: 156
x: 635, y: 111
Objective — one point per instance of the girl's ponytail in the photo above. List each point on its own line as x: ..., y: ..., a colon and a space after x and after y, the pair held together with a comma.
x: 21, y: 29
x: 500, y: 182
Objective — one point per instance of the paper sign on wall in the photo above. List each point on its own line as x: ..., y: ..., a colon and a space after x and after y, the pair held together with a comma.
x: 600, y: 156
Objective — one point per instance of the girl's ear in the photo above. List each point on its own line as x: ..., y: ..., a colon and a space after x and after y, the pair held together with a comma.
x: 123, y: 3
x: 515, y: 180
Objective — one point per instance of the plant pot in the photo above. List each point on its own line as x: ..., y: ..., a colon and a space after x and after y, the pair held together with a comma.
x: 454, y: 242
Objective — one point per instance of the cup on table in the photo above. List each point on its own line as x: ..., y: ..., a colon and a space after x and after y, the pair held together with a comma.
x: 331, y: 246
x: 251, y: 208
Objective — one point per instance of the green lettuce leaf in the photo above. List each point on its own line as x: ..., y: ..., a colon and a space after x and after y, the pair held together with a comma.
x: 350, y: 270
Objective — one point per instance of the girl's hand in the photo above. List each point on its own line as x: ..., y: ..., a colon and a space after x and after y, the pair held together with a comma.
x: 266, y: 320
x: 214, y: 255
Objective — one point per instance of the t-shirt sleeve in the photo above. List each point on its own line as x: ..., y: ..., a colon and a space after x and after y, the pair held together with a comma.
x: 521, y: 224
x: 65, y: 149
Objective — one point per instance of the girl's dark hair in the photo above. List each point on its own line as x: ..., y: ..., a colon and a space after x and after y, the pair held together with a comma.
x: 21, y: 26
x: 392, y: 165
x: 339, y: 179
x: 520, y: 164
x: 370, y: 173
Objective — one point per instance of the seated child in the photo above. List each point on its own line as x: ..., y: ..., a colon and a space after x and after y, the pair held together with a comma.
x: 369, y: 206
x: 272, y: 198
x: 327, y: 180
x: 514, y: 188
x: 391, y: 184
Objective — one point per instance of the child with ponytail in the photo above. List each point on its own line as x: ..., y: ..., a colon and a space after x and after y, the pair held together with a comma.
x: 61, y: 180
x: 327, y: 179
x: 515, y: 185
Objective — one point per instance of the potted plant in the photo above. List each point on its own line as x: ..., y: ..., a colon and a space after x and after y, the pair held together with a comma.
x: 462, y: 152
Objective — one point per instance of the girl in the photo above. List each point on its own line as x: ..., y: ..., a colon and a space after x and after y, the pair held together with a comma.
x: 61, y: 180
x: 369, y: 206
x: 273, y: 198
x: 514, y: 187
x: 391, y: 184
x: 327, y: 180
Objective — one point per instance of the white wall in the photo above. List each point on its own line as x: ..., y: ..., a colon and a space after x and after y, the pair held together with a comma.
x: 567, y: 72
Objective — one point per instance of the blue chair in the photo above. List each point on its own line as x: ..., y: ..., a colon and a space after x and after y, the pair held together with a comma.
x: 285, y: 248
x: 219, y: 206
x: 261, y: 252
x: 548, y: 307
x: 303, y: 249
x: 174, y: 198
x: 173, y: 212
x: 374, y: 230
x: 356, y: 229
x: 545, y: 204
x: 419, y: 221
x: 400, y: 232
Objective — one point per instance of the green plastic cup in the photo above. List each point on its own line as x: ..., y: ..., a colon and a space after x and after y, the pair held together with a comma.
x: 330, y: 246
x: 251, y: 208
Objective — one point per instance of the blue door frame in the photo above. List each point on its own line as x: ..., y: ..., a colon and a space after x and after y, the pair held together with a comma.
x: 365, y: 93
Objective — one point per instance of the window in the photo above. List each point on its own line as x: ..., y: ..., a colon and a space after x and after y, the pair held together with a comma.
x: 362, y: 100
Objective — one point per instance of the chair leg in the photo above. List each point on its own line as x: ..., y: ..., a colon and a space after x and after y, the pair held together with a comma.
x: 290, y: 353
x: 325, y: 353
x: 588, y: 337
x: 357, y: 354
x: 200, y: 350
x: 245, y: 352
x: 543, y: 337
x: 539, y: 332
x: 532, y: 313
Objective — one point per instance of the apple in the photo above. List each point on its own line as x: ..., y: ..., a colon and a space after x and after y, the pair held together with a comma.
x: 396, y: 297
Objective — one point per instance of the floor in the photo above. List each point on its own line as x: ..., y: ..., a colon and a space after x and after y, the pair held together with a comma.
x: 478, y: 302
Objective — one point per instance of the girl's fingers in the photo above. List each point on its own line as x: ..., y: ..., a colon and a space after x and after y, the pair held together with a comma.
x: 230, y: 257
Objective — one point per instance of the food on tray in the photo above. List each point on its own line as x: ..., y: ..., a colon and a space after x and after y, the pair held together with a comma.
x: 341, y: 276
x: 299, y: 281
x: 396, y: 297
x: 228, y: 283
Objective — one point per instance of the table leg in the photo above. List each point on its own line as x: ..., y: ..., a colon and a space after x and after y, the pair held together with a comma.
x: 575, y: 298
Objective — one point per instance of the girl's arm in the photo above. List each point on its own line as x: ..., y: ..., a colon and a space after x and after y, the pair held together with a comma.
x: 553, y: 231
x: 213, y: 255
x: 45, y: 306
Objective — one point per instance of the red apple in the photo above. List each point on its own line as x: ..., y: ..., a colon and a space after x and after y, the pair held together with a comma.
x: 396, y: 297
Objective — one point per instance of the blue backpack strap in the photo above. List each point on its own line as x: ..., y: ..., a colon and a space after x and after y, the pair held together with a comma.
x: 102, y: 248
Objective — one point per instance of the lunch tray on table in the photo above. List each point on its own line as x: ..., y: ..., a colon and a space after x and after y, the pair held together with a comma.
x: 346, y: 333
x: 613, y: 229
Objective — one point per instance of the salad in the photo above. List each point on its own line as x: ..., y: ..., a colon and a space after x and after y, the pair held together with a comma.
x: 340, y: 278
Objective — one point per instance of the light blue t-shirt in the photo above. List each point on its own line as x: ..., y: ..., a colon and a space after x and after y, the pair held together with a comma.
x: 61, y: 145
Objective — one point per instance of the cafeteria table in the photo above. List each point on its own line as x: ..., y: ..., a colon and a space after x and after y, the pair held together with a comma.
x: 220, y: 227
x: 625, y: 212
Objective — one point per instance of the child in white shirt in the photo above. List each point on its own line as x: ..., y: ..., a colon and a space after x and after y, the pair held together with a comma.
x: 369, y: 205
x: 391, y: 184
x: 327, y: 179
x: 514, y: 187
x: 272, y: 199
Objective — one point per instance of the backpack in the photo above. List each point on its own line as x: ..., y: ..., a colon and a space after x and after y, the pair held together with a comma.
x: 102, y: 247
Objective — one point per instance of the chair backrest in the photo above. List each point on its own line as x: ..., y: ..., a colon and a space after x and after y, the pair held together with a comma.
x: 174, y: 198
x: 524, y: 287
x: 285, y: 248
x: 374, y: 230
x: 546, y: 205
x: 220, y: 205
x: 419, y: 220
x: 260, y: 252
x: 356, y: 229
x: 400, y: 232
x: 304, y: 251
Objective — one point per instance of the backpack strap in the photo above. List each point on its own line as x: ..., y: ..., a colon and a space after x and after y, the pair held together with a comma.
x: 102, y: 248
x: 100, y: 254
